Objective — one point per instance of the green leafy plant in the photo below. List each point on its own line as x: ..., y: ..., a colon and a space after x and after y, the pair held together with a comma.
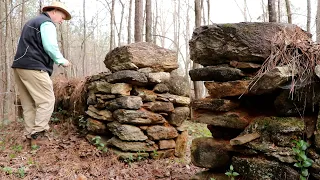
x: 212, y: 179
x: 303, y: 161
x: 30, y: 161
x: 62, y: 111
x: 21, y: 173
x: 129, y: 159
x: 97, y: 142
x: 140, y: 157
x: 11, y: 155
x: 7, y: 170
x: 155, y: 153
x: 82, y: 122
x: 17, y: 148
x: 231, y: 173
x: 35, y: 147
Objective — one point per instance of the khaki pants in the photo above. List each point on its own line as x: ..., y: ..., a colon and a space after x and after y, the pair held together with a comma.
x: 37, y: 99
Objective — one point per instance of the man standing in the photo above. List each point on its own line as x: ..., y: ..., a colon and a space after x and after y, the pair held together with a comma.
x: 33, y: 64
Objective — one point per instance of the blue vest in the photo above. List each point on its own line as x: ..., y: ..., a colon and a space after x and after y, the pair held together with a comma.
x: 30, y: 52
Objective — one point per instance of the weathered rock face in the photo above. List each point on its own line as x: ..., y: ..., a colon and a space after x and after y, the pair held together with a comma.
x: 222, y: 43
x: 141, y: 105
x: 254, y: 115
x: 141, y: 55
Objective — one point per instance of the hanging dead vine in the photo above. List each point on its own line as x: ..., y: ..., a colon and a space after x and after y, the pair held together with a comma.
x: 294, y: 49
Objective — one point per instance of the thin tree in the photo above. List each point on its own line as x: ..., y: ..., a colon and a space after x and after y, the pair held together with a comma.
x: 121, y: 21
x: 148, y: 21
x: 197, y: 84
x: 279, y: 10
x: 23, y: 14
x: 245, y: 11
x: 272, y: 11
x: 308, y: 15
x: 208, y: 4
x: 289, y: 11
x: 112, y: 19
x: 129, y: 22
x: 155, y: 21
x: 318, y: 22
x: 84, y: 43
x: 138, y: 20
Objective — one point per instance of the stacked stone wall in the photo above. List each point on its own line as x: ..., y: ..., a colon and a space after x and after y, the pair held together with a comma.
x: 253, y: 123
x: 138, y: 106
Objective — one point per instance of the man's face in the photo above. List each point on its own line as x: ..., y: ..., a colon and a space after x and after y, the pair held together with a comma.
x: 58, y: 16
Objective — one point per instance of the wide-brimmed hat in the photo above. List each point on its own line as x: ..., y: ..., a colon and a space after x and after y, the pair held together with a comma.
x: 60, y: 6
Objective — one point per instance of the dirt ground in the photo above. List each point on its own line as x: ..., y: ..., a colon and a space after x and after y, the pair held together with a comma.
x: 70, y: 156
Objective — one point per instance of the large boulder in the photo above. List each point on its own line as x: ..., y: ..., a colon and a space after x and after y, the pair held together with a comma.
x: 141, y: 55
x: 222, y: 43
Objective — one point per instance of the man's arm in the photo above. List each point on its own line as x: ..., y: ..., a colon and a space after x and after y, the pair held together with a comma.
x: 50, y: 44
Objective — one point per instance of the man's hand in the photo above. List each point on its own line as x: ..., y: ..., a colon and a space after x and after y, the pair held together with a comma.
x: 66, y: 64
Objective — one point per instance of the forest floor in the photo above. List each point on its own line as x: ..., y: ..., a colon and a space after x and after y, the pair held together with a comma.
x: 69, y: 156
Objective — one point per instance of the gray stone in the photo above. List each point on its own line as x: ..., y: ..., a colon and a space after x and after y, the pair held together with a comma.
x: 161, y: 132
x: 138, y: 117
x: 179, y: 115
x: 176, y: 100
x: 246, y: 42
x: 259, y: 168
x: 99, y: 114
x: 133, y: 146
x: 158, y: 77
x: 178, y: 85
x: 161, y: 88
x: 217, y: 105
x: 126, y: 102
x: 141, y: 55
x: 159, y: 106
x: 126, y: 132
x: 167, y: 144
x: 235, y: 120
x: 206, y: 152
x: 217, y: 74
x: 128, y: 76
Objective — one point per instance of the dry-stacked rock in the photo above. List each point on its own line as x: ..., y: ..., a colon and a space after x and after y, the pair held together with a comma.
x: 139, y: 104
x: 253, y: 123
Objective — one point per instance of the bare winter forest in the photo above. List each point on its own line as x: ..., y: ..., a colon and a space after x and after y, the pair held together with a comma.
x: 97, y: 27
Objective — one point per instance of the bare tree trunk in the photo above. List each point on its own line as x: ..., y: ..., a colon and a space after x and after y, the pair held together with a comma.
x: 121, y: 21
x: 138, y: 20
x: 148, y: 21
x: 289, y: 12
x: 202, y: 11
x: 112, y: 25
x: 279, y: 10
x: 197, y: 84
x: 308, y: 15
x: 155, y: 25
x: 272, y: 10
x: 208, y: 4
x: 129, y: 22
x: 245, y: 11
x: 1, y: 67
x: 84, y: 39
x: 22, y: 13
x: 318, y: 22
x: 264, y: 14
x: 6, y: 99
x: 40, y: 6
